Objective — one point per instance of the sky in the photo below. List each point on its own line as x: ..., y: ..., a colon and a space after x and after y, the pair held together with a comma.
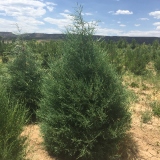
x: 135, y: 18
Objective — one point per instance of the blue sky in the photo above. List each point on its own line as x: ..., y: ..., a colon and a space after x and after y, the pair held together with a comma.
x: 116, y: 17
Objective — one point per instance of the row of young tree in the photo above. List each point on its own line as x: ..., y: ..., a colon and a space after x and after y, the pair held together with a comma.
x: 73, y: 89
x: 124, y: 56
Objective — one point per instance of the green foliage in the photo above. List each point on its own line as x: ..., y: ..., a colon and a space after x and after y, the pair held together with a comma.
x: 155, y: 44
x: 83, y: 111
x: 157, y: 62
x: 156, y: 108
x: 12, y: 121
x: 25, y: 77
x: 5, y: 57
x: 136, y: 60
x: 122, y: 43
x: 115, y: 56
x: 134, y: 85
x: 51, y: 52
x: 146, y: 116
x: 133, y: 44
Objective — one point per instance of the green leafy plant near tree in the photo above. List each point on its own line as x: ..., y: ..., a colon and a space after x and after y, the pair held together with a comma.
x: 12, y: 120
x: 83, y: 110
x: 25, y: 76
x: 156, y: 108
x: 146, y: 116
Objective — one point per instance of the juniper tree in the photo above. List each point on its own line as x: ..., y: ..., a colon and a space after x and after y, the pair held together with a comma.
x: 83, y: 109
x: 25, y: 77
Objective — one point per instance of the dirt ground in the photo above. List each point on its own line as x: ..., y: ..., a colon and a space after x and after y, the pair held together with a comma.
x: 144, y: 142
x: 35, y: 150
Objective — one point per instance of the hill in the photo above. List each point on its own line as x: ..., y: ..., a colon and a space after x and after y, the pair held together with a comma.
x: 44, y: 36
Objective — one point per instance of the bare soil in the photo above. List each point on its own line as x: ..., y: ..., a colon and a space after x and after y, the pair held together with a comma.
x: 142, y: 142
x: 35, y: 150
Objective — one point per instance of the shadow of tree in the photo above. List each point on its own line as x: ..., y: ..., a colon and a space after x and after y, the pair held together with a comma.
x: 128, y: 148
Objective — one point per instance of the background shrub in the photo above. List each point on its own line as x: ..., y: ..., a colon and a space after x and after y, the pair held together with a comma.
x: 136, y: 60
x: 157, y: 62
x: 83, y: 110
x: 25, y: 78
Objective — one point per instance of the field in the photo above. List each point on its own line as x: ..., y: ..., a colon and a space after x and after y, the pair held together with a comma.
x: 143, y: 139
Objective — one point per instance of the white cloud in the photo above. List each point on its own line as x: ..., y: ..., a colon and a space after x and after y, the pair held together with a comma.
x: 111, y: 12
x: 137, y: 33
x: 137, y: 25
x: 60, y: 22
x: 11, y: 26
x: 16, y: 8
x: 6, y: 25
x: 35, y: 3
x: 144, y: 19
x: 155, y: 14
x: 50, y: 8
x: 156, y: 24
x: 29, y: 20
x: 119, y: 22
x: 122, y: 25
x: 125, y: 12
x: 66, y: 15
x: 25, y: 13
x: 66, y: 11
x: 51, y: 3
x: 132, y: 33
x: 158, y: 28
x: 107, y: 31
x: 88, y: 14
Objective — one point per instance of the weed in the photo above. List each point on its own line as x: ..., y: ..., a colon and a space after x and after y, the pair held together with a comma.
x: 146, y: 116
x: 144, y: 86
x: 155, y: 108
x: 134, y: 85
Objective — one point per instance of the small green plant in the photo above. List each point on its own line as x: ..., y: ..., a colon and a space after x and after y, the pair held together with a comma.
x: 12, y: 121
x: 156, y: 108
x: 144, y: 86
x: 146, y: 116
x: 134, y: 85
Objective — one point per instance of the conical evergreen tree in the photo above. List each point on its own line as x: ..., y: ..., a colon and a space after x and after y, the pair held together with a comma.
x: 25, y: 77
x: 83, y: 111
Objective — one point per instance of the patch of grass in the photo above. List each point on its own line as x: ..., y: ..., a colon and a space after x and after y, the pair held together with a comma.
x: 12, y: 121
x: 134, y: 85
x: 132, y: 96
x: 146, y: 116
x: 144, y: 86
x: 155, y: 108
